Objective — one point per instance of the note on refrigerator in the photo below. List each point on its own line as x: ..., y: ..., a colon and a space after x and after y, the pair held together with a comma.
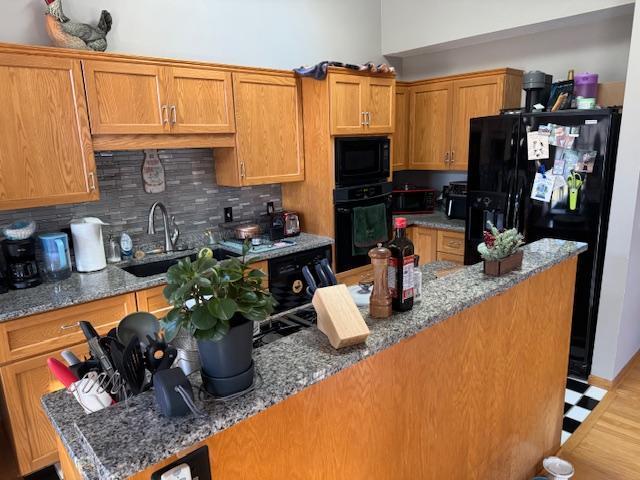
x: 537, y: 145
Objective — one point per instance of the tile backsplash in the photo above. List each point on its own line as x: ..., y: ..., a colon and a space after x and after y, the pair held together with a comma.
x: 191, y: 194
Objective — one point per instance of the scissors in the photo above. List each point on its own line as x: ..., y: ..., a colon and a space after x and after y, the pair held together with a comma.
x: 574, y: 182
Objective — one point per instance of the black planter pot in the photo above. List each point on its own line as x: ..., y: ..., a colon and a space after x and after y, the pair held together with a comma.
x: 227, y: 365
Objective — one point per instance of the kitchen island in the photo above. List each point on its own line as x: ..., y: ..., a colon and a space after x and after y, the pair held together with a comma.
x: 469, y: 384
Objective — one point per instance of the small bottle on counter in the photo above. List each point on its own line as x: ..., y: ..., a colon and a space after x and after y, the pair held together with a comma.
x: 417, y: 279
x: 126, y: 246
x: 400, y: 271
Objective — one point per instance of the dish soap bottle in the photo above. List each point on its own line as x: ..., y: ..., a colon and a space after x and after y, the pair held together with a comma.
x: 400, y: 270
x: 126, y: 246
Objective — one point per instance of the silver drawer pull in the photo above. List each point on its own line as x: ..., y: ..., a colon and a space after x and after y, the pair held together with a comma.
x: 454, y: 244
x: 70, y: 326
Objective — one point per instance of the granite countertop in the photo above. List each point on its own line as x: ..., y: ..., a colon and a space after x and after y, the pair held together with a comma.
x: 85, y: 287
x: 112, y: 443
x: 438, y: 219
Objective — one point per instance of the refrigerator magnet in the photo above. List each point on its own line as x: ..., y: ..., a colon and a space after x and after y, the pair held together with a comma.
x: 538, y: 146
x: 558, y: 165
x: 545, y: 130
x: 543, y: 187
x: 586, y: 161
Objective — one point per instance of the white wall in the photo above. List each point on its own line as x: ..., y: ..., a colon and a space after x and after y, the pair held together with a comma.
x: 269, y: 33
x: 409, y: 26
x: 618, y: 330
x: 601, y: 46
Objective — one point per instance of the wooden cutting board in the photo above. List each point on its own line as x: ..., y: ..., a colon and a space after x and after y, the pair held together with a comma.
x: 338, y: 317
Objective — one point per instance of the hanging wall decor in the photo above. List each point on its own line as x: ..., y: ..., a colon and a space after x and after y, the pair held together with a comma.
x: 152, y: 172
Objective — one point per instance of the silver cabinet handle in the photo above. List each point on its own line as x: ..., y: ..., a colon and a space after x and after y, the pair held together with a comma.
x: 69, y: 327
x: 363, y: 118
x: 243, y: 171
x: 174, y: 115
x: 368, y: 118
x: 452, y: 154
x: 446, y: 157
x: 92, y: 181
x: 165, y: 114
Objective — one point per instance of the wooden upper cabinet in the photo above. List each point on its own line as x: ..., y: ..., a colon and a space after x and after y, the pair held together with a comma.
x: 46, y: 156
x: 348, y: 97
x: 400, y: 151
x: 380, y: 111
x: 126, y: 98
x: 201, y: 101
x: 269, y: 129
x: 430, y: 126
x: 473, y: 97
x: 361, y: 104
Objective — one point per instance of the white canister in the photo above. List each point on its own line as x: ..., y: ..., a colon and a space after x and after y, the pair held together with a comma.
x: 88, y: 245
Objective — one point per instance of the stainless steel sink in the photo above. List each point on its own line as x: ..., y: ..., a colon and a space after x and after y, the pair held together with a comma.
x: 161, y: 266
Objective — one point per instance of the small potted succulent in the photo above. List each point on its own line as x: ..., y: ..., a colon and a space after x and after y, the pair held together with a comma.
x: 218, y: 303
x: 501, y: 250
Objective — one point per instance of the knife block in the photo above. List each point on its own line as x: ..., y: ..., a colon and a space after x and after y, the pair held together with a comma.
x: 338, y: 316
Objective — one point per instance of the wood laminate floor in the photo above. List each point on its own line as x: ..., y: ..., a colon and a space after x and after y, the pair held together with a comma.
x: 607, y: 444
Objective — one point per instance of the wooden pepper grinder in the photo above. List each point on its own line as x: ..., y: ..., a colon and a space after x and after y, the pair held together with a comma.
x: 380, y: 301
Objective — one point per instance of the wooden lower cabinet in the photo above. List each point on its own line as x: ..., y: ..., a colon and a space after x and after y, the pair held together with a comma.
x: 23, y: 384
x: 424, y: 243
x: 152, y: 300
x: 450, y: 257
x: 354, y: 276
x: 25, y: 345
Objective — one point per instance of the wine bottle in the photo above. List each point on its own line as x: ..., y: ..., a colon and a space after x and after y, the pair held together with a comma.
x: 401, y: 267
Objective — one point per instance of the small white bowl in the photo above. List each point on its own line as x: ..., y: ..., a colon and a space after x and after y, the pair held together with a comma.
x: 20, y: 230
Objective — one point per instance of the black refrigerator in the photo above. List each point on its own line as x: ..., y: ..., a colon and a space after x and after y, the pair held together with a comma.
x: 582, y: 144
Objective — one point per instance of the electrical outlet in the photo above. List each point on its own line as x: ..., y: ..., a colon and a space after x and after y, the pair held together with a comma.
x: 228, y: 214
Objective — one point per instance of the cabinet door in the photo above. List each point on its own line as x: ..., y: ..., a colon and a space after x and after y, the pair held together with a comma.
x: 430, y: 126
x: 473, y: 97
x: 24, y: 383
x: 269, y: 128
x: 152, y: 300
x: 380, y: 105
x: 424, y: 243
x: 126, y: 97
x: 451, y: 242
x: 348, y: 97
x: 201, y: 101
x: 400, y: 155
x: 46, y: 157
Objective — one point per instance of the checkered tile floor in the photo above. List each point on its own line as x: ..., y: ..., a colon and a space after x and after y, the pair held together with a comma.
x: 580, y: 399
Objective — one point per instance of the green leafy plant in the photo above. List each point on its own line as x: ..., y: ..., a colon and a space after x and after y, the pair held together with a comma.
x: 218, y: 290
x: 499, y: 244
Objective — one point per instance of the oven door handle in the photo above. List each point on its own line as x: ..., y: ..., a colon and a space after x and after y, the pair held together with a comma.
x: 386, y: 196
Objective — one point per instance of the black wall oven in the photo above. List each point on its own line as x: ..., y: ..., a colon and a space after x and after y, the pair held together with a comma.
x: 361, y: 160
x: 345, y: 200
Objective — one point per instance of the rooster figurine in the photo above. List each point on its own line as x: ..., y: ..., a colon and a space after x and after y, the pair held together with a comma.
x: 68, y: 34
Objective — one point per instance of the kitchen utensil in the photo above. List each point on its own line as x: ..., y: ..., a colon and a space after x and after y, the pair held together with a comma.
x: 244, y: 232
x: 93, y: 339
x: 326, y: 266
x: 312, y: 286
x: 20, y: 230
x: 61, y: 372
x: 158, y: 355
x: 380, y: 300
x: 137, y: 324
x: 92, y: 392
x: 338, y: 317
x: 324, y: 281
x: 22, y: 268
x: 88, y: 244
x: 132, y: 369
x: 56, y: 259
x: 70, y: 357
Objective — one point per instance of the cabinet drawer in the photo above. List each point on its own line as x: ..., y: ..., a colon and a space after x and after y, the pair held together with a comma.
x: 450, y: 257
x: 45, y: 332
x: 152, y: 300
x: 451, y: 242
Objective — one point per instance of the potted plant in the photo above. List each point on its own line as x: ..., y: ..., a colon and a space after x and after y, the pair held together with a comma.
x: 217, y: 303
x: 501, y: 250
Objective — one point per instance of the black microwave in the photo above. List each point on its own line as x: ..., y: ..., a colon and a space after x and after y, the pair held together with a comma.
x: 410, y: 200
x: 361, y: 160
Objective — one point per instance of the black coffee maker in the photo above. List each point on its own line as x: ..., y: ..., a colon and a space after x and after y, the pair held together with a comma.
x: 20, y: 258
x: 3, y: 274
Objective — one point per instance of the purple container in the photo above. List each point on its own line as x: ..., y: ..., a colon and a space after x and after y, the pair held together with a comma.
x: 585, y: 85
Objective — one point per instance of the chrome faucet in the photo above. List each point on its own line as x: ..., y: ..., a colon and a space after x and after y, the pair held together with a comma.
x: 170, y: 239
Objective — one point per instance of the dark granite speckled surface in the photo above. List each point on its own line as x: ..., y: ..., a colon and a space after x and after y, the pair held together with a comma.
x: 85, y: 287
x: 437, y: 219
x: 124, y: 439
